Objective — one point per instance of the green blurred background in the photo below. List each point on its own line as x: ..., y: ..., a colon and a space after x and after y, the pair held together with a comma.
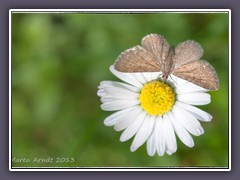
x: 58, y: 60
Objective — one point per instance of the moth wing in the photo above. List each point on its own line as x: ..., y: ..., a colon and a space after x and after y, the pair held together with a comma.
x: 137, y: 59
x: 158, y: 46
x: 186, y: 52
x: 200, y: 73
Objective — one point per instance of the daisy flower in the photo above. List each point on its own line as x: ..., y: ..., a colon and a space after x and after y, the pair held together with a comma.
x: 152, y: 111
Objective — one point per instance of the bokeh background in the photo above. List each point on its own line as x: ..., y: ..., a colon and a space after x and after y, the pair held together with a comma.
x: 59, y: 59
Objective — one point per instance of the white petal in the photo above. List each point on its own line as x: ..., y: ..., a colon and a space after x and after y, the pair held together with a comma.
x: 112, y: 94
x: 127, y: 77
x: 184, y: 86
x: 127, y: 118
x: 143, y: 133
x: 119, y: 105
x: 188, y: 121
x: 176, y: 80
x: 113, y: 118
x: 198, y: 113
x: 195, y: 98
x: 132, y: 129
x: 111, y: 98
x: 155, y: 75
x: 151, y: 76
x: 139, y: 77
x: 161, y: 137
x: 148, y: 76
x: 189, y: 88
x: 119, y: 91
x: 182, y: 133
x: 104, y: 84
x: 151, y: 145
x: 101, y: 93
x: 152, y: 141
x: 170, y: 138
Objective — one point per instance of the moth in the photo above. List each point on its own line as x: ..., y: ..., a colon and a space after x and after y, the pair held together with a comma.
x: 156, y: 55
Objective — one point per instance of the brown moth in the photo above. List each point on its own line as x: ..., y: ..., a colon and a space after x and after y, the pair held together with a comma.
x: 155, y: 55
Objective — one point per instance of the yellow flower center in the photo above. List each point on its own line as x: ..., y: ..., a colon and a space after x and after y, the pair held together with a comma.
x: 157, y: 98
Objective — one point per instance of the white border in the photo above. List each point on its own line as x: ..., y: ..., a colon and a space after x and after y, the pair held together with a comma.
x: 120, y: 10
x: 229, y: 89
x: 107, y: 11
